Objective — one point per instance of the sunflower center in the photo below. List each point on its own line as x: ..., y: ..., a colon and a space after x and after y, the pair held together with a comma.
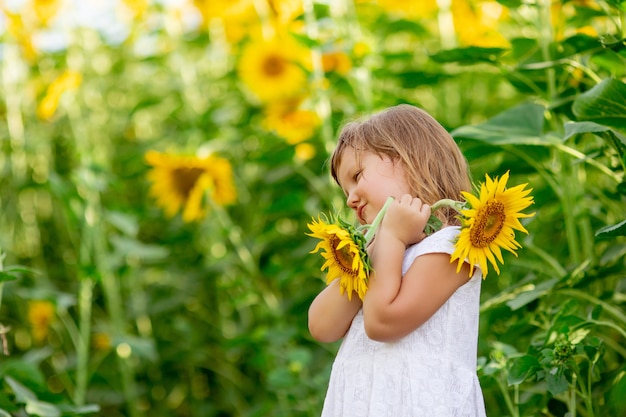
x: 343, y: 257
x: 488, y: 224
x: 273, y: 66
x: 185, y: 179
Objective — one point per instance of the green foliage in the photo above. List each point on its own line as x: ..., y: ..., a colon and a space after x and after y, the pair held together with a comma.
x: 155, y: 316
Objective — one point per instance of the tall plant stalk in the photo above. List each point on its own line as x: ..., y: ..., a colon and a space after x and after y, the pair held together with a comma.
x: 95, y: 251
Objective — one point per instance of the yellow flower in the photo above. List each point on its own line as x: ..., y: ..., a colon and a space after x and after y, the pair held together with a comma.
x: 304, y: 151
x: 45, y: 10
x: 101, y: 341
x: 40, y: 316
x: 286, y: 10
x: 17, y: 29
x: 182, y: 181
x: 238, y: 17
x: 476, y: 23
x: 489, y: 223
x: 69, y: 80
x: 137, y: 8
x: 289, y: 122
x: 410, y: 9
x: 337, y: 61
x: 344, y: 250
x: 274, y: 69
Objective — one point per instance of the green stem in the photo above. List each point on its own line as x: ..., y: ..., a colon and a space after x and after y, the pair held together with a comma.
x: 545, y: 41
x: 97, y: 253
x: 371, y: 232
x: 82, y: 347
x: 248, y: 260
x: 322, y: 100
x: 572, y: 397
x: 587, y: 397
x: 569, y: 202
x: 372, y: 228
x: 507, y: 398
x: 446, y: 202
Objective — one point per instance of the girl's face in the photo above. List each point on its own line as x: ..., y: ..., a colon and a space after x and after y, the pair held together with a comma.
x: 368, y: 181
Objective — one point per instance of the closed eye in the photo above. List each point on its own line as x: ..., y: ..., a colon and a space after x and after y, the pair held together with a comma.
x: 357, y: 175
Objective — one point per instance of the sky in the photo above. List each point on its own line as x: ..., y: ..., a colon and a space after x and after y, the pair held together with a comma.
x: 102, y: 15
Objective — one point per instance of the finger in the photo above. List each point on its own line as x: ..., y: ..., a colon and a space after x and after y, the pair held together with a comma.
x: 406, y: 199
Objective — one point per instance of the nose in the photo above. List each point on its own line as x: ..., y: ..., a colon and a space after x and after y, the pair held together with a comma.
x: 352, y: 200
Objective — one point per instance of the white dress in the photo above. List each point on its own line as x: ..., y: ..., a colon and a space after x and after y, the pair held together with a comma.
x: 431, y: 372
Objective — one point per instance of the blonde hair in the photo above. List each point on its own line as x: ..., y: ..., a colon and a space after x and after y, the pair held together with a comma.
x: 433, y: 164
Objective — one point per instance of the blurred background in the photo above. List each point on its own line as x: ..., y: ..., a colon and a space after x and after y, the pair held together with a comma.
x: 160, y: 161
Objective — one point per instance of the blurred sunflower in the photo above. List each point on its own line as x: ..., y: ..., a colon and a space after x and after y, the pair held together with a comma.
x: 69, y: 80
x: 238, y: 17
x: 290, y: 122
x: 286, y: 11
x: 476, y: 23
x: 45, y: 10
x: 16, y: 28
x: 182, y: 182
x: 346, y: 258
x: 336, y: 61
x: 137, y: 8
x: 274, y: 69
x: 40, y: 316
x: 410, y: 9
x: 304, y: 151
x: 489, y: 222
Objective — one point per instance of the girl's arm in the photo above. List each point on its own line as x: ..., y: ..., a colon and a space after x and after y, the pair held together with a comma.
x: 331, y: 313
x: 395, y: 306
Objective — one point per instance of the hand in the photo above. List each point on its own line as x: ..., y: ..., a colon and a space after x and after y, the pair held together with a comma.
x: 406, y: 218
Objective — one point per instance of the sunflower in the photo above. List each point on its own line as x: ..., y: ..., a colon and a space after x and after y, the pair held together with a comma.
x: 344, y: 250
x: 489, y: 222
x: 46, y: 10
x: 41, y: 314
x: 68, y: 81
x: 182, y: 181
x: 291, y: 122
x: 274, y: 69
x: 477, y: 24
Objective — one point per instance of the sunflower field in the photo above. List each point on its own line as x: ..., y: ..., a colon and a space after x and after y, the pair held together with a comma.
x: 160, y: 160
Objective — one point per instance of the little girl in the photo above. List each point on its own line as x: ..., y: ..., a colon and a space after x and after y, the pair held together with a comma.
x: 410, y: 345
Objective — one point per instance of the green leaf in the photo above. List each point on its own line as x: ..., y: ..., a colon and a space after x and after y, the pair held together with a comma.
x: 412, y: 79
x: 617, y: 394
x: 578, y: 128
x: 80, y: 409
x: 512, y: 4
x: 532, y: 294
x: 6, y: 277
x: 42, y: 409
x: 24, y: 371
x: 557, y: 382
x: 469, y: 55
x: 618, y: 229
x: 3, y: 413
x: 134, y: 248
x: 611, y: 61
x: 580, y: 43
x: 605, y: 104
x: 125, y: 223
x: 522, y: 368
x: 12, y: 273
x: 22, y: 394
x: 521, y: 125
